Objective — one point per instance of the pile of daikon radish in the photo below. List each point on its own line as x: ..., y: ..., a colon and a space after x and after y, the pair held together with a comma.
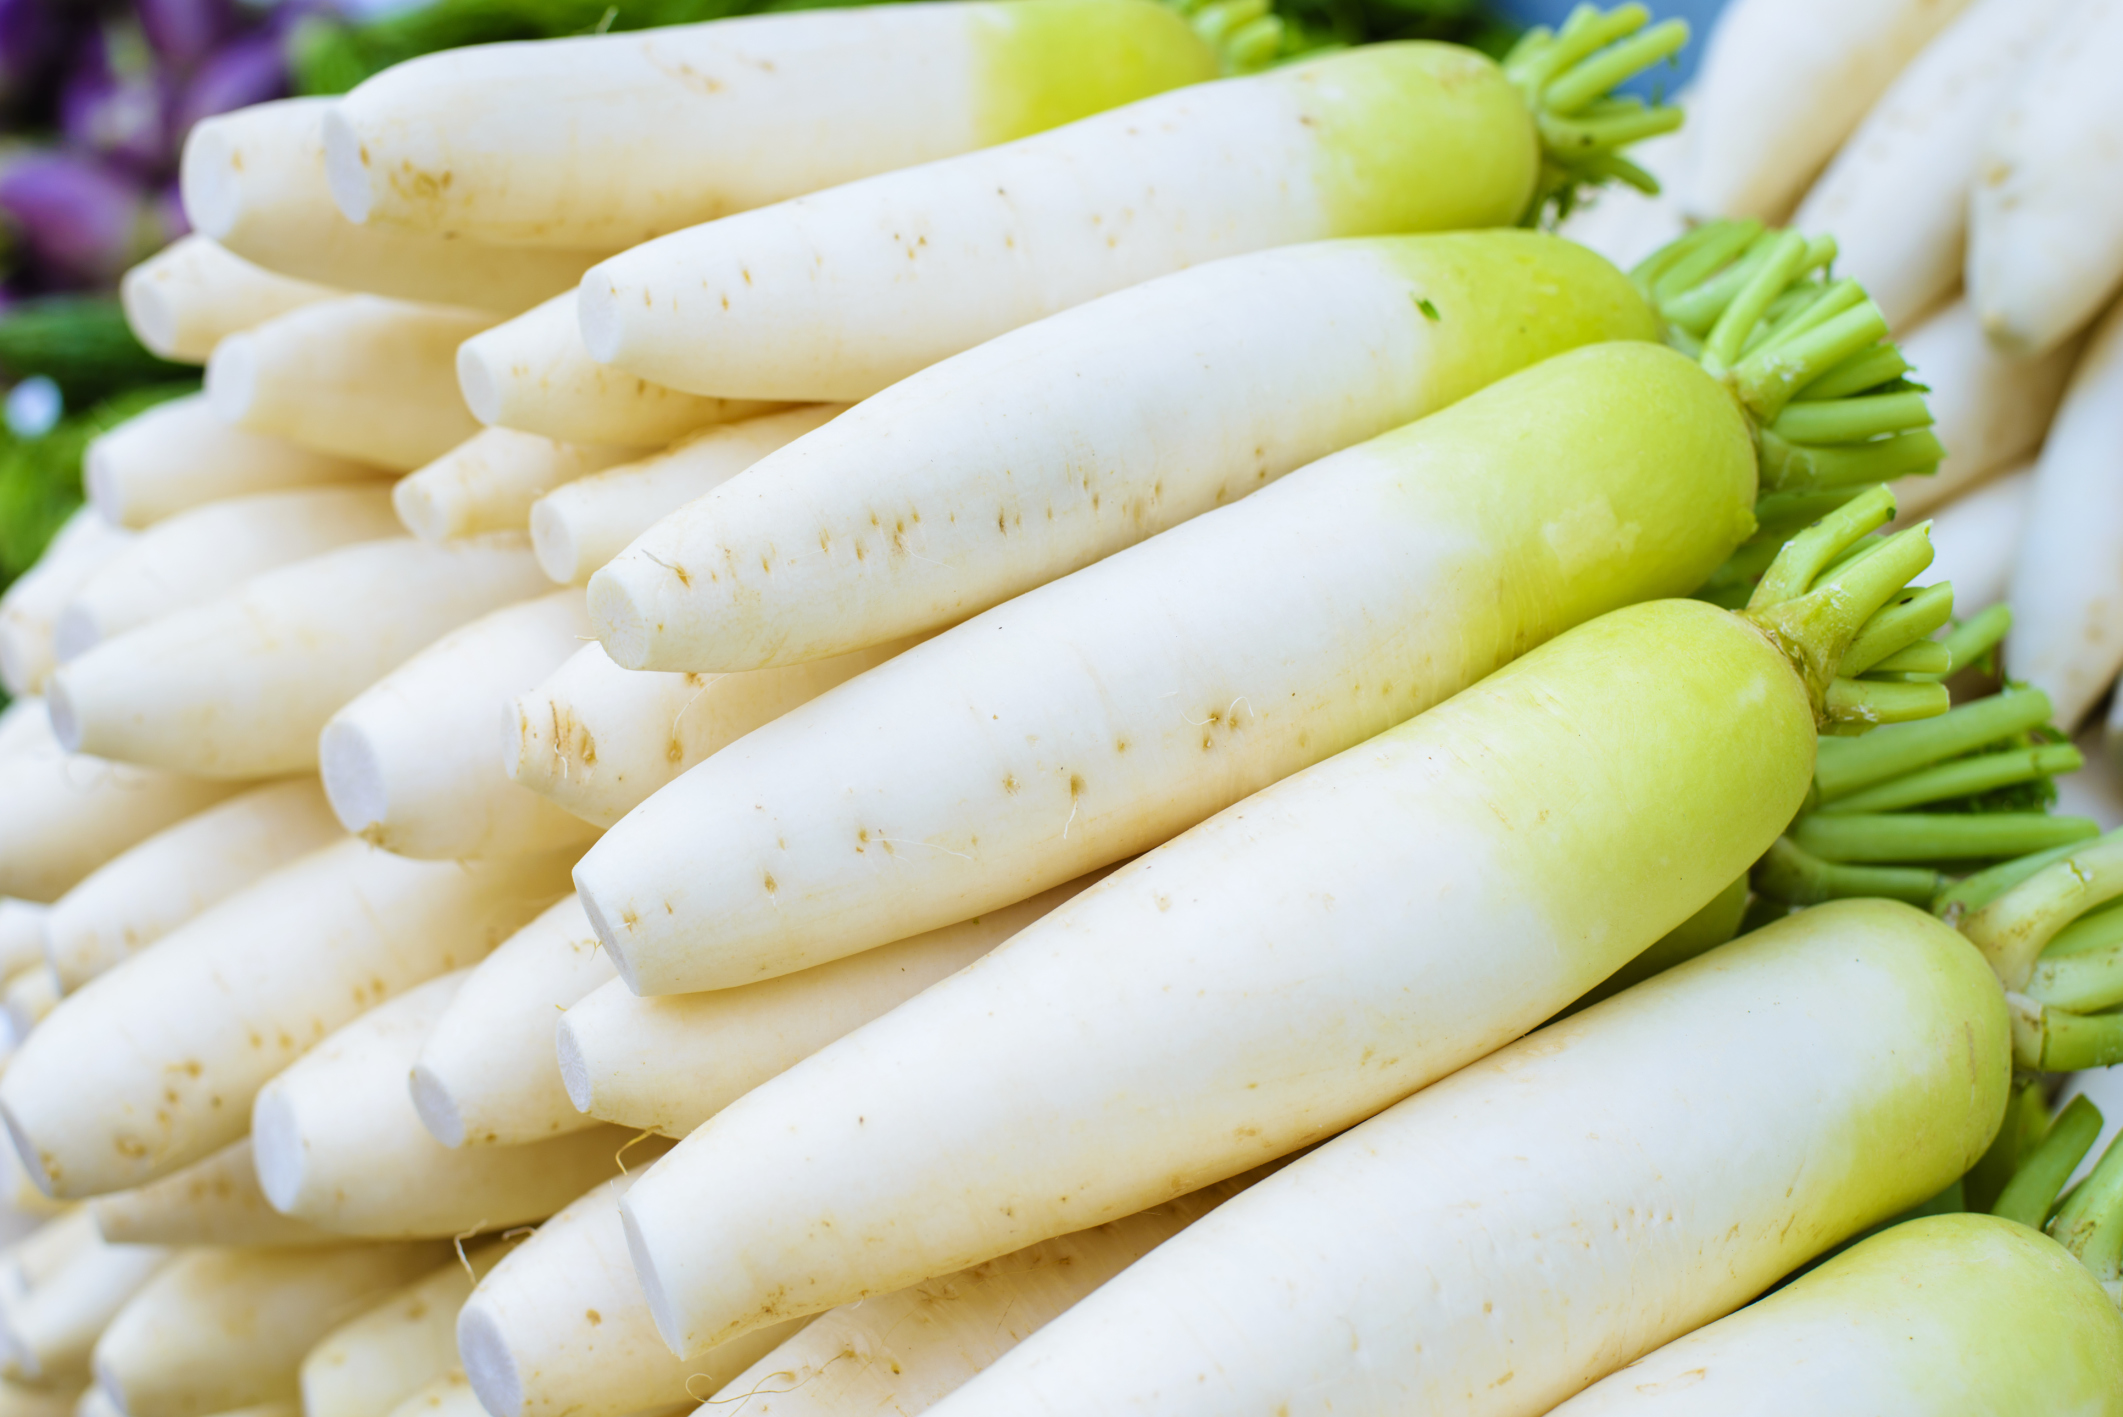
x: 805, y: 684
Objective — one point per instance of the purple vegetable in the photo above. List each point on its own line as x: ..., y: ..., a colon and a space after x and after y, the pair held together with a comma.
x: 183, y: 32
x: 81, y: 223
x: 243, y: 71
x: 29, y: 41
x: 117, y: 104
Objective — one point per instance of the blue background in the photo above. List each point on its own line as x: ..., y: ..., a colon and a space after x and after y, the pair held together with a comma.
x: 1698, y: 13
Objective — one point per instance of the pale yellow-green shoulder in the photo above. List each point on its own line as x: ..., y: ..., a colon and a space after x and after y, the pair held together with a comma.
x: 1043, y: 63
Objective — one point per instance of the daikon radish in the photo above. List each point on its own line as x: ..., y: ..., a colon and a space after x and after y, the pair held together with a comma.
x: 21, y: 933
x: 233, y: 996
x: 609, y: 140
x: 178, y: 454
x: 52, y: 1328
x: 1937, y: 1317
x: 189, y: 296
x: 68, y: 814
x: 1896, y: 196
x: 901, y: 1353
x: 485, y: 1074
x: 206, y: 552
x: 30, y: 1262
x: 338, y: 1142
x: 1602, y: 1187
x: 139, y: 896
x: 222, y: 1329
x: 239, y: 687
x: 1456, y: 881
x: 535, y: 374
x: 489, y: 481
x: 668, y: 1064
x: 1991, y: 410
x: 2067, y: 585
x: 20, y: 1400
x: 1783, y: 83
x: 31, y: 994
x: 2045, y: 220
x: 1066, y: 441
x: 597, y: 739
x: 560, y: 1326
x: 370, y: 1364
x: 32, y: 603
x: 1103, y: 713
x: 1975, y: 538
x: 579, y: 527
x: 95, y: 1402
x: 212, y: 1202
x: 360, y: 377
x: 254, y: 181
x: 837, y: 295
x: 447, y: 1396
x: 25, y: 727
x: 410, y: 763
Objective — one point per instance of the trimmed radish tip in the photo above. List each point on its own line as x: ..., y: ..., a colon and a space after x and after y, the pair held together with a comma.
x: 66, y: 724
x: 353, y: 777
x: 74, y: 633
x: 597, y: 315
x: 149, y: 311
x: 553, y: 543
x: 232, y: 379
x: 207, y: 183
x: 437, y: 1109
x: 574, y: 1068
x: 26, y: 1153
x: 481, y: 390
x: 605, y: 934
x: 420, y: 511
x: 344, y: 172
x: 617, y: 618
x: 276, y: 1150
x: 489, y: 1366
x: 667, y: 1326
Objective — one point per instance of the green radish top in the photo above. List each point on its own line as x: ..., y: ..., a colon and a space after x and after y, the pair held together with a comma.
x: 1043, y: 63
x: 2088, y: 1220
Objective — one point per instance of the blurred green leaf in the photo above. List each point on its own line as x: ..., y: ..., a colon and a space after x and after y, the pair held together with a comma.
x: 82, y: 344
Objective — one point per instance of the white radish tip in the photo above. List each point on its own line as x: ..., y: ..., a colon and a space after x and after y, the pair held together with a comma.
x: 276, y: 1150
x: 99, y: 478
x: 353, y: 777
x: 597, y: 314
x: 149, y: 311
x: 553, y: 543
x: 232, y: 379
x: 26, y: 1153
x: 574, y: 1068
x: 207, y: 181
x: 420, y: 511
x: 437, y: 1109
x: 59, y: 703
x: 476, y: 381
x: 17, y: 661
x: 74, y: 633
x: 488, y: 1364
x: 344, y: 171
x: 617, y: 617
x: 605, y: 934
x: 667, y: 1326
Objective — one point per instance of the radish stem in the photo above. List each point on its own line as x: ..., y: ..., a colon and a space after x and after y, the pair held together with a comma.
x: 1846, y: 766
x: 1964, y: 777
x: 2032, y: 1192
x: 2090, y: 1221
x: 1791, y: 873
x: 1918, y: 836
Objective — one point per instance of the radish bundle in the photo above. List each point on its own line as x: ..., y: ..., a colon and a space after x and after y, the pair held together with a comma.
x: 370, y: 1364
x: 31, y: 605
x: 579, y: 527
x: 597, y: 739
x: 1782, y: 83
x: 1061, y: 443
x: 207, y: 551
x: 560, y: 1328
x: 1455, y: 881
x: 534, y: 373
x: 187, y: 298
x: 338, y: 1143
x: 212, y: 1202
x: 239, y: 687
x: 1094, y: 717
x: 668, y: 1064
x: 144, y: 892
x: 489, y: 481
x: 1599, y: 1188
x: 230, y: 998
x: 179, y: 454
x: 410, y: 764
x: 360, y: 377
x: 606, y: 141
x: 254, y: 181
x: 2045, y: 221
x: 841, y: 293
x: 223, y: 1329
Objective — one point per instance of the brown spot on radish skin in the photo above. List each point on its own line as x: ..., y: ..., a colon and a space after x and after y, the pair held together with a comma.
x: 593, y: 1316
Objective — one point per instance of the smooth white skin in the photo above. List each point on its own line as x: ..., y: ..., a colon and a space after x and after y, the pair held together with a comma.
x: 239, y: 687
x: 1938, y: 1317
x: 208, y: 551
x: 447, y: 1396
x: 254, y: 181
x: 898, y: 1354
x: 224, y: 1328
x: 184, y: 299
x: 489, y: 481
x: 68, y: 814
x: 534, y: 373
x: 338, y: 1143
x: 1974, y: 540
x: 34, y: 1259
x: 25, y: 727
x: 410, y: 764
x: 142, y: 894
x: 212, y: 1202
x: 370, y: 1364
x: 844, y: 292
x: 1896, y: 197
x: 668, y: 1064
x: 230, y: 998
x: 1783, y: 83
x: 30, y: 996
x: 21, y: 934
x: 2067, y: 582
x: 359, y: 377
x: 2045, y: 220
x: 1049, y: 448
x: 1991, y: 410
x: 30, y: 608
x: 560, y: 1326
x: 485, y: 1075
x: 178, y: 454
x: 578, y: 528
x: 53, y: 1327
x: 92, y: 1402
x: 1572, y: 1202
x: 596, y: 739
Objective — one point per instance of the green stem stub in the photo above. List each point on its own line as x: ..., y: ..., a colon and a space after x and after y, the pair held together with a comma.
x: 1791, y: 873
x: 2090, y: 1221
x: 1568, y: 77
x: 2032, y: 1192
x: 2014, y: 929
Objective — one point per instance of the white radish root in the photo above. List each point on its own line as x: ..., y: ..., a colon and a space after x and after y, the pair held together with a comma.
x: 29, y: 611
x: 188, y: 297
x: 212, y: 1202
x: 489, y: 481
x: 179, y: 454
x: 1975, y: 538
x: 370, y: 1364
